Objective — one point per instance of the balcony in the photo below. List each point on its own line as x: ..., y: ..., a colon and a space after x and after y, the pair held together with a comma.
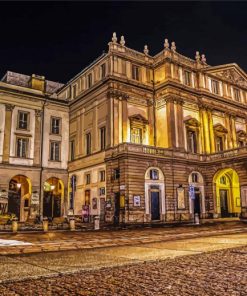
x: 130, y: 148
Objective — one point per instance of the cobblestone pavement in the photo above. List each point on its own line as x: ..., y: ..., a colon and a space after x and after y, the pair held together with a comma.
x: 218, y: 273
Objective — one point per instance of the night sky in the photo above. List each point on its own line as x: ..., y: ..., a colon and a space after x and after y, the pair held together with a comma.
x: 58, y: 39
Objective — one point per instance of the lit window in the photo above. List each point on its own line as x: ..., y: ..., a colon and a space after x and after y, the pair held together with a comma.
x: 194, y: 177
x: 191, y: 141
x: 219, y: 144
x: 88, y: 143
x: 55, y: 151
x: 103, y: 71
x: 102, y: 191
x: 88, y: 179
x: 187, y: 78
x: 236, y: 94
x: 223, y: 180
x: 22, y: 147
x: 154, y: 175
x: 23, y: 120
x: 89, y: 80
x: 215, y: 86
x: 72, y: 150
x: 116, y: 174
x: 55, y: 126
x: 102, y: 176
x: 102, y: 138
x: 136, y: 135
x: 135, y: 72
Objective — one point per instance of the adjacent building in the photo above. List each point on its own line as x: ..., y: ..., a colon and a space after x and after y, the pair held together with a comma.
x: 133, y: 138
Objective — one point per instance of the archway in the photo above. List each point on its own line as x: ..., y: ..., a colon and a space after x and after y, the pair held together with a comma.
x: 53, y: 198
x: 197, y: 203
x: 19, y: 197
x: 154, y: 194
x: 227, y: 193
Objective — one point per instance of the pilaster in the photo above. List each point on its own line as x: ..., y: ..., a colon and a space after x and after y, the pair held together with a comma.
x: 37, y: 138
x: 171, y: 122
x: 7, y: 131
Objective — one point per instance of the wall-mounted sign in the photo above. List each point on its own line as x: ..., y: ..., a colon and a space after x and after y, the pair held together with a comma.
x: 181, y: 198
x: 191, y: 191
x: 122, y: 201
x: 108, y: 204
x: 137, y: 200
x: 35, y: 198
x: 122, y: 187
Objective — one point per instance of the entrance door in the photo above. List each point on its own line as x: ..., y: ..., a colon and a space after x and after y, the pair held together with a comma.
x: 57, y: 205
x: 197, y: 203
x: 14, y: 203
x: 117, y: 207
x: 102, y: 209
x: 224, y: 203
x: 155, y: 205
x: 47, y: 204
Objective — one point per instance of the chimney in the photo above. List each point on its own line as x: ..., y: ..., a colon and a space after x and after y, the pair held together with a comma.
x: 37, y: 82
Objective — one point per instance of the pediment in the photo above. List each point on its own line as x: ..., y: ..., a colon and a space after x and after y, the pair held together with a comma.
x: 230, y: 72
x: 220, y: 128
x: 138, y: 118
x: 241, y: 134
x: 191, y: 121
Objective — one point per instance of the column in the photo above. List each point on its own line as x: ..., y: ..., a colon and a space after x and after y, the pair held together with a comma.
x: 233, y: 131
x: 95, y: 128
x: 120, y: 122
x: 180, y: 124
x: 202, y: 148
x: 78, y: 135
x: 171, y: 122
x: 37, y: 138
x: 229, y: 134
x: 81, y: 133
x: 206, y: 131
x: 7, y: 131
x: 124, y: 119
x: 151, y: 123
x: 211, y: 131
x: 109, y: 123
x: 116, y: 121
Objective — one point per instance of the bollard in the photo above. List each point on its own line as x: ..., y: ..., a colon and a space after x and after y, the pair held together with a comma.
x: 72, y: 223
x: 15, y: 225
x: 197, y: 220
x: 45, y: 224
x: 96, y: 223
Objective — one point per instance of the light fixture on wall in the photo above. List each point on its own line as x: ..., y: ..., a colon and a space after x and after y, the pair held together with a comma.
x: 19, y: 183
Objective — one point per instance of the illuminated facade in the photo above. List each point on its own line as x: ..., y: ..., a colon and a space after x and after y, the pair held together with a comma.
x: 133, y: 138
x: 169, y: 132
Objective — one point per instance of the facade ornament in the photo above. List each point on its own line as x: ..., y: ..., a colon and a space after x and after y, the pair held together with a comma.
x: 122, y: 41
x: 114, y: 37
x: 146, y: 50
x: 9, y: 107
x: 166, y: 44
x: 197, y: 56
x: 38, y: 112
x: 173, y: 46
x: 203, y: 59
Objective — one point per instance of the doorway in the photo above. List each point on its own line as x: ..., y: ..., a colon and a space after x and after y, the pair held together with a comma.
x: 197, y: 202
x: 102, y: 209
x: 224, y: 203
x: 155, y: 204
x: 116, y: 207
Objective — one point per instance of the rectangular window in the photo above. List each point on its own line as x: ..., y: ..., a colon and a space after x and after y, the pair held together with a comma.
x: 136, y: 135
x: 55, y: 125
x: 102, y: 176
x: 88, y: 179
x: 236, y: 94
x: 89, y: 80
x: 135, y: 72
x: 187, y: 78
x: 219, y: 144
x: 102, y: 71
x: 22, y: 145
x: 192, y: 141
x: 215, y: 86
x: 102, y: 138
x: 88, y: 143
x: 23, y: 118
x: 72, y: 150
x: 102, y: 191
x: 55, y: 151
x: 116, y: 174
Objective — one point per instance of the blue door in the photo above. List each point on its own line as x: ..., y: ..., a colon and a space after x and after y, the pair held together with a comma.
x: 155, y: 205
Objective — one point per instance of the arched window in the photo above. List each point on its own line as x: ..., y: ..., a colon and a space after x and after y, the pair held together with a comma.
x: 194, y: 177
x: 154, y: 174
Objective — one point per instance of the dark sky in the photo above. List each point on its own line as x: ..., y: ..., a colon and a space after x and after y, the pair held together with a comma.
x: 58, y: 39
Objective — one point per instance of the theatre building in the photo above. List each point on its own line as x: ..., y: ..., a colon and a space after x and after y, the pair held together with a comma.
x: 157, y: 138
x: 33, y: 148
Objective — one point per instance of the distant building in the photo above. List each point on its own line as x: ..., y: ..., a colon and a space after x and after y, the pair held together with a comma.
x: 149, y: 138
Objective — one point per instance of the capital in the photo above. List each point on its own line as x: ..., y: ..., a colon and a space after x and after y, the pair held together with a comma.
x: 9, y: 107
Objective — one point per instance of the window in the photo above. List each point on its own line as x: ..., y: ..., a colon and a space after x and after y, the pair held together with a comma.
x: 223, y: 180
x: 102, y: 191
x: 215, y: 86
x: 102, y: 176
x: 87, y: 197
x: 135, y: 72
x: 23, y: 120
x: 136, y: 135
x: 116, y: 174
x: 191, y: 141
x: 88, y: 143
x: 72, y: 150
x: 219, y: 144
x: 89, y: 80
x: 55, y: 151
x: 241, y: 143
x: 194, y: 177
x: 88, y: 178
x: 154, y: 175
x: 187, y: 78
x: 236, y: 94
x: 102, y: 138
x: 55, y: 125
x: 74, y: 90
x: 102, y: 71
x: 22, y: 144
